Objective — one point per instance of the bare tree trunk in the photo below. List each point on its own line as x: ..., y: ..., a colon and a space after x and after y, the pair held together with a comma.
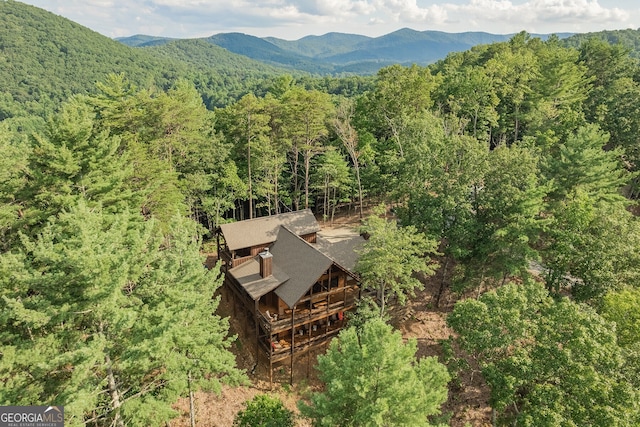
x: 357, y: 167
x: 442, y: 282
x: 381, y: 297
x: 192, y: 406
x: 113, y: 392
x: 275, y: 194
x: 116, y: 403
x: 296, y: 185
x: 249, y: 165
x: 307, y: 166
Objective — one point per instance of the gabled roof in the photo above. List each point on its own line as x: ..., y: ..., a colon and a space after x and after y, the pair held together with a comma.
x: 343, y: 249
x: 303, y: 263
x: 264, y: 230
x: 297, y: 266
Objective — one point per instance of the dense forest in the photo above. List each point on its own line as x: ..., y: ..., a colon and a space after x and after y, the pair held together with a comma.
x: 497, y: 161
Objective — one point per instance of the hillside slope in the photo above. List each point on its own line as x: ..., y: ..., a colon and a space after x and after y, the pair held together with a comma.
x: 45, y: 58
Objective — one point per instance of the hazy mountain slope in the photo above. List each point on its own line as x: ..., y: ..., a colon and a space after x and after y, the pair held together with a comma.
x: 262, y: 50
x: 338, y: 52
x: 45, y: 58
x: 323, y: 46
x: 140, y: 40
x: 202, y: 54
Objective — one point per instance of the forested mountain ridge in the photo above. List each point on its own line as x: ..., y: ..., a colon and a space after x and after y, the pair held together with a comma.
x: 45, y: 58
x: 628, y: 38
x: 339, y: 52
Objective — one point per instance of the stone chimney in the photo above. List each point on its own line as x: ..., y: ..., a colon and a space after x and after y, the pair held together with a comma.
x: 266, y: 264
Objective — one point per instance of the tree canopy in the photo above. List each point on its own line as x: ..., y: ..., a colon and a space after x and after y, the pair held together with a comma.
x: 373, y: 378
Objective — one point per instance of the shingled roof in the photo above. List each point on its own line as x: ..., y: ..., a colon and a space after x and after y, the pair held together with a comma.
x: 297, y: 265
x: 248, y: 276
x: 264, y: 230
x: 303, y: 263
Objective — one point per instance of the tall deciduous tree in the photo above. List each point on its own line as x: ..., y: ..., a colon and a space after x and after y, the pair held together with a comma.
x: 548, y: 362
x: 623, y: 308
x: 307, y: 121
x: 373, y: 378
x: 507, y: 217
x: 583, y: 250
x: 332, y: 178
x: 246, y: 124
x: 442, y: 172
x: 391, y: 256
x: 512, y: 68
x: 348, y: 135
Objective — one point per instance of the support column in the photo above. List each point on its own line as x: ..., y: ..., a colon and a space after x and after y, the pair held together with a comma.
x: 255, y: 317
x: 293, y: 341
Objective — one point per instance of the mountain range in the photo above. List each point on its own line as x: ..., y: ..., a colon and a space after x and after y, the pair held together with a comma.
x: 335, y: 53
x: 46, y: 58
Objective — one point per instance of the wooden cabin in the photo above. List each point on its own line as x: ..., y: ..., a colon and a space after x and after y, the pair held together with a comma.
x: 294, y: 286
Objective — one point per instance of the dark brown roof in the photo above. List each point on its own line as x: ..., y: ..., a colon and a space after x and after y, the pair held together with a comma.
x: 264, y: 230
x: 303, y: 263
x: 296, y: 267
x: 248, y: 276
x: 343, y: 249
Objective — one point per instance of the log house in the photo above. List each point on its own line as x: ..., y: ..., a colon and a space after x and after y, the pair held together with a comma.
x: 294, y: 287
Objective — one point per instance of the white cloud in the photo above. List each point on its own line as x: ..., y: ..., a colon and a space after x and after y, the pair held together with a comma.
x: 546, y: 15
x: 295, y: 18
x: 408, y: 11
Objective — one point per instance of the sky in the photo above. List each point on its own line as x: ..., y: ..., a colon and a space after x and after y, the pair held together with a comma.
x: 294, y: 19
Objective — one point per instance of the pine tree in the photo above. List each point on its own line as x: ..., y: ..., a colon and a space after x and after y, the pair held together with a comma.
x: 373, y: 378
x: 73, y: 162
x: 105, y: 317
x: 581, y: 162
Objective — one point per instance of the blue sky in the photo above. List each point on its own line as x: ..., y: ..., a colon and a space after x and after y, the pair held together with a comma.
x: 293, y: 19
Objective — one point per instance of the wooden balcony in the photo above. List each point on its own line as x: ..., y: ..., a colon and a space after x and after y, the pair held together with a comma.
x: 310, y: 309
x: 229, y: 262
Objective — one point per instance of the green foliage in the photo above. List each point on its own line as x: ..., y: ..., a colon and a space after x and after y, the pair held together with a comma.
x: 581, y: 162
x: 372, y: 378
x: 307, y: 118
x: 13, y: 167
x: 101, y: 312
x: 47, y: 58
x: 623, y: 308
x: 98, y: 305
x: 332, y: 177
x: 584, y: 251
x: 391, y: 257
x: 264, y: 411
x: 73, y: 161
x: 503, y: 155
x: 507, y: 218
x: 548, y: 362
